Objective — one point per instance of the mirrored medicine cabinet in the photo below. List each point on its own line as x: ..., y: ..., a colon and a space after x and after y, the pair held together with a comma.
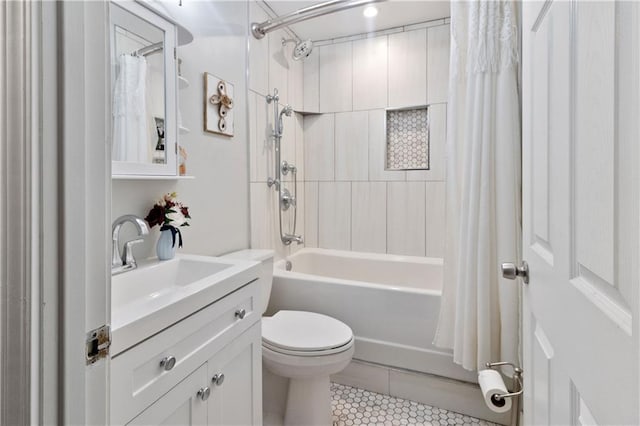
x: 144, y: 92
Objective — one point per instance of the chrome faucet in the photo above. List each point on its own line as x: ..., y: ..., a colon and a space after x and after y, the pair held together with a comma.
x: 289, y: 238
x: 126, y: 261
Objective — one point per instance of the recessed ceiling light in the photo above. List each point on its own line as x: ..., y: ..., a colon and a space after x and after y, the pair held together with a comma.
x: 370, y: 12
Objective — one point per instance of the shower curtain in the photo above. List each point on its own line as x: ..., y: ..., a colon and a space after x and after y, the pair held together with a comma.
x: 479, y: 314
x: 130, y: 124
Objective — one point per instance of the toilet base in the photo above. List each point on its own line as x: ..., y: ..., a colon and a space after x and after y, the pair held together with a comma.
x: 296, y: 389
x: 308, y: 402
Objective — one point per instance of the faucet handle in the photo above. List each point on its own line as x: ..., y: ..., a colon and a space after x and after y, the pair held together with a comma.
x: 127, y: 253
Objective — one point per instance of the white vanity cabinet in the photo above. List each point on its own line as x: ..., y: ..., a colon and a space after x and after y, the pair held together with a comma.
x: 224, y: 391
x: 182, y: 405
x: 167, y: 378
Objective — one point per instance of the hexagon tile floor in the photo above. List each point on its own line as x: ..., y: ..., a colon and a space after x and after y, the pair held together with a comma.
x: 353, y: 406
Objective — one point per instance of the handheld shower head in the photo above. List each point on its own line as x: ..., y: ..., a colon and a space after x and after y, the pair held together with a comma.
x: 288, y: 111
x: 302, y: 49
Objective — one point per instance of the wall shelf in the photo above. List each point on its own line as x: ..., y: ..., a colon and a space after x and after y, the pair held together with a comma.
x: 150, y: 177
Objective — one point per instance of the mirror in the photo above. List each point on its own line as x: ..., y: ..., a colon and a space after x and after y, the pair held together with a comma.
x: 143, y: 78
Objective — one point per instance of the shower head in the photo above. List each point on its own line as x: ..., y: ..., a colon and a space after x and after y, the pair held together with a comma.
x: 302, y: 49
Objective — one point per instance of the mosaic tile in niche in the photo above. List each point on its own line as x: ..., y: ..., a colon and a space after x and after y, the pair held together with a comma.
x: 408, y: 139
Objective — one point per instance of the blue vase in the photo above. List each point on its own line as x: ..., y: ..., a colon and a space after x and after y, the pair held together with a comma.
x: 167, y: 245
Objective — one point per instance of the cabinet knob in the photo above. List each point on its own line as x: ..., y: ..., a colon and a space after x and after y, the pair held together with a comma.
x: 204, y: 393
x: 218, y: 379
x: 240, y: 313
x: 168, y: 362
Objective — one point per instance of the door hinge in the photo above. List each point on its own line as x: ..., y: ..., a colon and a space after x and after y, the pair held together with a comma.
x: 98, y: 342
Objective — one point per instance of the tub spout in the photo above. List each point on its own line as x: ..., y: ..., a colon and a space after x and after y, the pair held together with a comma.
x: 288, y: 239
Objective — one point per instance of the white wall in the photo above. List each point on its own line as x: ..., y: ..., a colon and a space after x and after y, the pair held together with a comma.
x: 218, y: 197
x: 351, y: 202
x: 271, y: 66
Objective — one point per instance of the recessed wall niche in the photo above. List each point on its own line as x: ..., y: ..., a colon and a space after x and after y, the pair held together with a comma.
x: 407, y: 138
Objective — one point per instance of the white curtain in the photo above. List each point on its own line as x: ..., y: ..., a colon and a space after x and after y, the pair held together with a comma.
x: 130, y: 124
x: 479, y: 314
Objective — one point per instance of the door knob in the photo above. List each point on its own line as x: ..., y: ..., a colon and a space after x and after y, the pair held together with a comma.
x: 240, y: 313
x: 510, y: 271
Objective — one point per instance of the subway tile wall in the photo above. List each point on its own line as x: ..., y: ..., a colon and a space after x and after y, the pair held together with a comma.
x: 337, y: 140
x: 351, y: 201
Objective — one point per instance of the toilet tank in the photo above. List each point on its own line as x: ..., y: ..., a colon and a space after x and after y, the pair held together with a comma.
x: 265, y: 257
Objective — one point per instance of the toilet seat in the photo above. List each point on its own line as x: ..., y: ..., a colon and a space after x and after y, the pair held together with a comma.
x: 308, y: 353
x: 301, y: 333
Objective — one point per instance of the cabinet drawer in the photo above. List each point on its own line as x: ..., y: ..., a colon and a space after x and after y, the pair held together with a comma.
x: 180, y: 406
x: 137, y: 376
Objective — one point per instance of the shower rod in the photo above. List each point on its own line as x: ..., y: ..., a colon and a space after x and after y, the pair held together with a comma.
x: 148, y: 50
x: 260, y: 29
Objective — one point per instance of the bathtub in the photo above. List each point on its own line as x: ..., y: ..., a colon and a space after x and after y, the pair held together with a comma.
x: 390, y: 302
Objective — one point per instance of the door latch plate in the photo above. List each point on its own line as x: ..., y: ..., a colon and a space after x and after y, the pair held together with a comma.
x: 97, y: 344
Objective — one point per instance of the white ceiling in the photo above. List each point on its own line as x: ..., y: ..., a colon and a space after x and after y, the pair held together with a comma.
x: 392, y: 13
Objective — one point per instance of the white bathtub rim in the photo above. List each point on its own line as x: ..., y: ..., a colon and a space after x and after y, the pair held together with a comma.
x: 279, y: 270
x: 363, y: 255
x: 362, y: 284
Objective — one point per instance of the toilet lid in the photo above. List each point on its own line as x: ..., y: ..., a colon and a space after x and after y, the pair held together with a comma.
x: 304, y: 331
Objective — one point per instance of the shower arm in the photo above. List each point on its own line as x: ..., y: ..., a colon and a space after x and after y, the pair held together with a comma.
x: 261, y: 29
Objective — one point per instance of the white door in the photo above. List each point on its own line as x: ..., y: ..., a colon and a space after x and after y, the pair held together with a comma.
x: 81, y: 114
x: 581, y: 212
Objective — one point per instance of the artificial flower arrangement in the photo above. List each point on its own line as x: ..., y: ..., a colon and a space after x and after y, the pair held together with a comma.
x: 169, y: 214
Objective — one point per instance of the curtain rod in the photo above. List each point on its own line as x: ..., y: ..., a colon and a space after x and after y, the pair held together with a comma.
x: 259, y: 30
x: 148, y: 50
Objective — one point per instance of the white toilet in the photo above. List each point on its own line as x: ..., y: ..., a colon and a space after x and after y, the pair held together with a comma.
x: 300, y: 350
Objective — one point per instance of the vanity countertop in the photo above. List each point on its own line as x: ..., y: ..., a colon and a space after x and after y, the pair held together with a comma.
x: 158, y: 294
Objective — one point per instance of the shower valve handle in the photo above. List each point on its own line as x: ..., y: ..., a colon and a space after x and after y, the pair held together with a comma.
x: 288, y: 167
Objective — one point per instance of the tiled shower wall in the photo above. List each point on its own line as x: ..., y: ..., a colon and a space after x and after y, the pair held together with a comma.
x: 351, y: 202
x: 271, y: 66
x: 346, y: 200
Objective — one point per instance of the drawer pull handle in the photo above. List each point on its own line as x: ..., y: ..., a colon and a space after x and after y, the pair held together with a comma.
x: 204, y: 393
x: 168, y: 362
x: 240, y: 313
x: 218, y: 379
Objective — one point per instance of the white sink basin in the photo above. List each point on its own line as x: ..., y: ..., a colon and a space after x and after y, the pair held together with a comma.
x: 158, y: 294
x: 159, y: 279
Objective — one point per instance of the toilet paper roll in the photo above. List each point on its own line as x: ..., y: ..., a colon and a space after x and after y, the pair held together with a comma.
x: 491, y: 383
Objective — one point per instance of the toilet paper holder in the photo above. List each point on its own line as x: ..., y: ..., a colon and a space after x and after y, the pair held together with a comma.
x: 517, y: 379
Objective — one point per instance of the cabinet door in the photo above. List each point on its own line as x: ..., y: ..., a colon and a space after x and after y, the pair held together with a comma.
x: 236, y: 399
x: 181, y: 406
